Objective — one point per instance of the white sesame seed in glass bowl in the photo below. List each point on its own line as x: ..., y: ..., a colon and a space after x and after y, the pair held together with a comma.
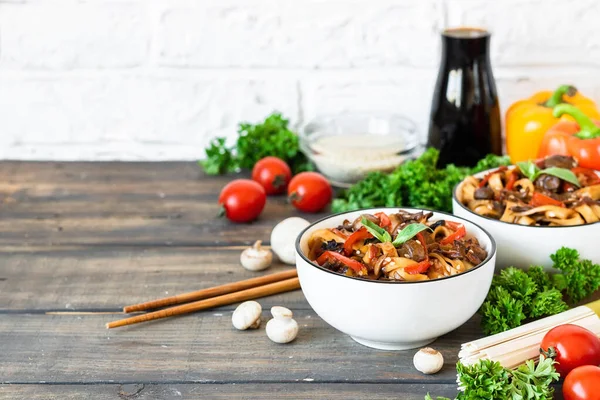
x: 345, y: 147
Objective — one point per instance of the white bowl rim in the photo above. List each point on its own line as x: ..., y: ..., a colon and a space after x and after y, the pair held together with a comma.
x: 490, y: 255
x: 455, y: 198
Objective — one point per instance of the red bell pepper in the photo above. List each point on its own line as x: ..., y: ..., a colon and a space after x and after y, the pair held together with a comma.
x: 452, y: 225
x: 459, y: 232
x: 421, y: 239
x: 512, y: 178
x: 360, y: 234
x: 487, y: 177
x: 418, y: 268
x: 579, y: 139
x: 384, y: 220
x: 348, y: 262
x: 539, y: 199
x: 591, y: 176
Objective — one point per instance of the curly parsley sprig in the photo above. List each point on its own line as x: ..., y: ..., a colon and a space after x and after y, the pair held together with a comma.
x: 254, y: 142
x: 489, y: 380
x: 415, y: 183
x: 517, y: 295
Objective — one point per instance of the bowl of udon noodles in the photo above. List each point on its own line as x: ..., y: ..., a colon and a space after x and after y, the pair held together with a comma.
x: 534, y: 208
x: 395, y: 278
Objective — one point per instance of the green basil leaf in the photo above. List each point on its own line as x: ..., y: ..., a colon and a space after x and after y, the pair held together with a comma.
x: 381, y: 234
x: 529, y: 169
x: 562, y: 173
x: 408, y: 232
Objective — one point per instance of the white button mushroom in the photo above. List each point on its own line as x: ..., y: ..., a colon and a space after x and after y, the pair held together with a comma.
x: 283, y: 238
x: 282, y: 328
x: 428, y: 360
x: 247, y: 315
x: 256, y: 258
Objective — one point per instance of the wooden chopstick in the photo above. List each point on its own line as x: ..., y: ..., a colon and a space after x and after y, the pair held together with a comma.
x: 212, y: 292
x: 248, y: 294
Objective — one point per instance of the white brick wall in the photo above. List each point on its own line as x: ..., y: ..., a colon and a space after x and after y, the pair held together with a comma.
x: 156, y: 79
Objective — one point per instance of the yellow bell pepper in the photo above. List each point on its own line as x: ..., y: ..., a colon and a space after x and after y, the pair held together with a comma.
x: 528, y: 120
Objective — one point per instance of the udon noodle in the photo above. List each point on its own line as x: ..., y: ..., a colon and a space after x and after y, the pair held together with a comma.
x: 508, y: 195
x: 438, y: 250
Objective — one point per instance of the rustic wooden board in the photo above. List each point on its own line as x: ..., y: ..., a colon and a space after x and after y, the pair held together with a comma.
x: 227, y: 391
x: 80, y: 240
x: 202, y: 347
x: 147, y: 204
x: 95, y: 172
x: 109, y: 278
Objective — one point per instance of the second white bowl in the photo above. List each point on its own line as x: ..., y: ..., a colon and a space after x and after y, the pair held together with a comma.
x: 522, y: 246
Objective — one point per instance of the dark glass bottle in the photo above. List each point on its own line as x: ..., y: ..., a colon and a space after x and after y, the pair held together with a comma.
x: 465, y: 115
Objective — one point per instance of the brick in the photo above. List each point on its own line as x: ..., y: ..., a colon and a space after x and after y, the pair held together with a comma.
x: 53, y: 35
x: 124, y: 116
x: 535, y: 32
x: 297, y: 34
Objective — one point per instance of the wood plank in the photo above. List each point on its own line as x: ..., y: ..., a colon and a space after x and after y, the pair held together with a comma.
x: 160, y: 204
x: 98, y: 171
x: 110, y: 278
x: 227, y: 391
x: 203, y: 347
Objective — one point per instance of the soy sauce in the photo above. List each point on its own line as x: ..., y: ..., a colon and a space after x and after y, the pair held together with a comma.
x: 465, y: 114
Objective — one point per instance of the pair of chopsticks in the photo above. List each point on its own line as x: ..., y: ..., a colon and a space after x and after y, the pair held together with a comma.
x: 217, y: 296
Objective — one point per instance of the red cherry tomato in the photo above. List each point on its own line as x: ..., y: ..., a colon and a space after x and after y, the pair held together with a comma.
x: 574, y: 346
x: 583, y: 383
x: 273, y: 174
x: 309, y: 191
x: 242, y: 200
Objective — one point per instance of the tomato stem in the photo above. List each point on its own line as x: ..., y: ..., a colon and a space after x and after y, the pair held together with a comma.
x: 557, y: 96
x: 587, y: 127
x: 294, y: 197
x: 278, y: 181
x: 550, y: 353
x: 222, y: 211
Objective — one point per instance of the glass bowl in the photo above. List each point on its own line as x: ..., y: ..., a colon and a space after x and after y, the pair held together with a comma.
x: 346, y: 147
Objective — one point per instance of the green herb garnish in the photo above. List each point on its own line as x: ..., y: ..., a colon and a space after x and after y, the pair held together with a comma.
x: 581, y: 277
x: 380, y: 234
x: 415, y: 183
x: 517, y: 295
x: 383, y: 236
x: 269, y: 138
x: 408, y: 233
x: 531, y: 171
x: 489, y: 380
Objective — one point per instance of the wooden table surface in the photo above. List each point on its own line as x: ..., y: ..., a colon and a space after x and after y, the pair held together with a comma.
x: 79, y: 241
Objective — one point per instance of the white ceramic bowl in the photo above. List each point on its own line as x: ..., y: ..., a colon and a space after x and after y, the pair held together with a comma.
x: 522, y: 245
x: 394, y: 315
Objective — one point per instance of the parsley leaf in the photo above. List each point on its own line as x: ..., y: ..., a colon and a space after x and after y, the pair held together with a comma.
x: 487, y: 380
x: 415, y: 183
x: 548, y: 302
x: 272, y: 137
x: 540, y: 277
x: 484, y: 380
x: 581, y: 277
x: 501, y: 311
x: 517, y: 295
x: 219, y: 159
x: 533, y: 382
